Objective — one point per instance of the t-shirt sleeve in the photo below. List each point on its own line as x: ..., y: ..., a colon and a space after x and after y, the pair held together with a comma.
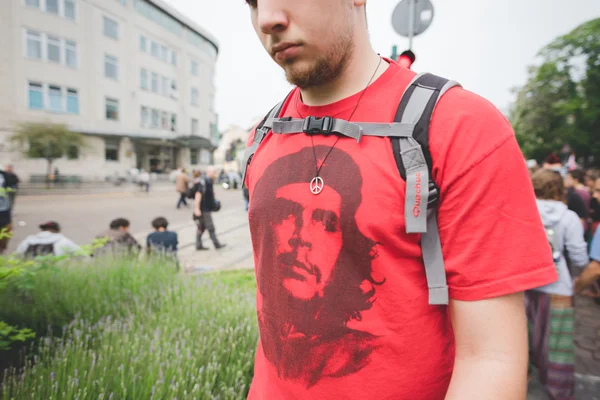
x: 492, y: 236
x: 595, y: 248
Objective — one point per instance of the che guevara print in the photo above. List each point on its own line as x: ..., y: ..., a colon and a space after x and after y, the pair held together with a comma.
x: 315, y: 267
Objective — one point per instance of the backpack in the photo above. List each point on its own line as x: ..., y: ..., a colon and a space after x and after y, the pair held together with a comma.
x: 39, y: 249
x: 409, y: 138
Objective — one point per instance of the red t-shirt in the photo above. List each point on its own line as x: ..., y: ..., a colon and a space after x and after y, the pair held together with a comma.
x: 342, y: 296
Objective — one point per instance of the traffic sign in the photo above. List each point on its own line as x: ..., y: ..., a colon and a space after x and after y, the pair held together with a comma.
x: 422, y: 16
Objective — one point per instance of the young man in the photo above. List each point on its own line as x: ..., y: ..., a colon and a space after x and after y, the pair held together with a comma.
x: 342, y: 296
x: 182, y: 183
x: 204, y: 201
x: 119, y: 238
x: 5, y: 212
x: 48, y: 241
x: 162, y: 240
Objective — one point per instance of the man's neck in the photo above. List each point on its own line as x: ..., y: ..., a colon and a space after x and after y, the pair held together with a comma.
x: 354, y: 79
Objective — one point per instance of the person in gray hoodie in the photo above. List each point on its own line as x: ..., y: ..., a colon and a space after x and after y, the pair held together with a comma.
x: 48, y: 241
x: 550, y: 307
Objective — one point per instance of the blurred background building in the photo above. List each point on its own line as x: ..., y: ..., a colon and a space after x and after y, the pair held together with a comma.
x: 135, y: 76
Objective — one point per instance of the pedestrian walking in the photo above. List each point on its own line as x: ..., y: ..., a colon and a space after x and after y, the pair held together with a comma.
x: 182, y: 183
x: 5, y: 213
x: 549, y: 308
x: 12, y: 181
x: 391, y: 251
x: 145, y: 181
x: 205, y: 204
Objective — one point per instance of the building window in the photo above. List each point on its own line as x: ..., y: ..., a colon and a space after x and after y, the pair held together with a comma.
x: 164, y: 120
x: 155, y: 115
x: 112, y: 109
x: 52, y: 6
x: 34, y: 44
x: 36, y: 96
x: 71, y: 53
x: 204, y: 157
x: 173, y: 122
x: 154, y: 49
x: 144, y: 79
x: 111, y: 149
x: 154, y: 82
x: 111, y: 28
x: 144, y: 115
x: 143, y: 43
x: 111, y: 68
x: 157, y: 15
x: 165, y: 86
x: 55, y: 98
x: 33, y: 3
x: 195, y: 68
x: 164, y: 53
x: 174, y: 89
x: 194, y: 126
x: 53, y: 49
x: 70, y: 9
x: 194, y: 156
x: 174, y: 58
x: 195, y: 96
x: 72, y: 101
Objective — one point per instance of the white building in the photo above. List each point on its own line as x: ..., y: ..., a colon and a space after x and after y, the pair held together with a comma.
x: 135, y: 76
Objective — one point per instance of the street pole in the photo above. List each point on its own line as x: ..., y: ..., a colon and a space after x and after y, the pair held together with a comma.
x: 411, y: 22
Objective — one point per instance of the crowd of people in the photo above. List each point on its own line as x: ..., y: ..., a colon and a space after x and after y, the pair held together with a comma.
x: 568, y: 201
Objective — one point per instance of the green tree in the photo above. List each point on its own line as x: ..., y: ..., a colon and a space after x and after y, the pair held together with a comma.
x: 560, y: 103
x: 48, y: 141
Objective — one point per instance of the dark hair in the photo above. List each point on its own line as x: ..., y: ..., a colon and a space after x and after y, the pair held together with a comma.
x: 119, y: 223
x: 553, y: 158
x: 548, y: 185
x: 160, y: 222
x: 578, y: 175
x: 50, y: 226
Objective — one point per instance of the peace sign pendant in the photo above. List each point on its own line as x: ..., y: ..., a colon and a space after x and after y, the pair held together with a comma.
x: 316, y: 185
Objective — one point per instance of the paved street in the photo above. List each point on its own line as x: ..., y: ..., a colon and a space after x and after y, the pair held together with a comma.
x: 84, y: 216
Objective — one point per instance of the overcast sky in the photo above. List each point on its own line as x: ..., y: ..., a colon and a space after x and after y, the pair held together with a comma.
x: 486, y: 45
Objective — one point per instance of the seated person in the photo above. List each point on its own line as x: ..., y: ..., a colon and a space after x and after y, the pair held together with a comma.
x: 119, y: 238
x: 48, y: 241
x: 162, y: 240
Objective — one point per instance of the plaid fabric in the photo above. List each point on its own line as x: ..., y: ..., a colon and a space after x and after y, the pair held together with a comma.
x: 551, y: 345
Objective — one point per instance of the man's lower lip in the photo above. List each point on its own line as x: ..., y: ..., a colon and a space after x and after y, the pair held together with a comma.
x: 287, y: 53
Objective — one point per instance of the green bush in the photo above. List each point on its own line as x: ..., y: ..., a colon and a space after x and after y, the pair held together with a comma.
x: 140, y: 331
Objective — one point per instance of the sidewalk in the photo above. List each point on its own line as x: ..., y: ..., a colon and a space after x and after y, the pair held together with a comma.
x: 28, y: 190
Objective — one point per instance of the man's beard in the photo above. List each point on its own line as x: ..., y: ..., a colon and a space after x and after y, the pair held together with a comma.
x: 327, y: 68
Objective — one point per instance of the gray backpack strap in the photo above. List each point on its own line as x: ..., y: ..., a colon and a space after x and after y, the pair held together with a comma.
x: 415, y: 166
x: 261, y: 131
x: 328, y: 125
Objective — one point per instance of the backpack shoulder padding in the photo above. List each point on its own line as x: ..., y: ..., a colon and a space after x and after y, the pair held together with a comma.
x: 422, y: 93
